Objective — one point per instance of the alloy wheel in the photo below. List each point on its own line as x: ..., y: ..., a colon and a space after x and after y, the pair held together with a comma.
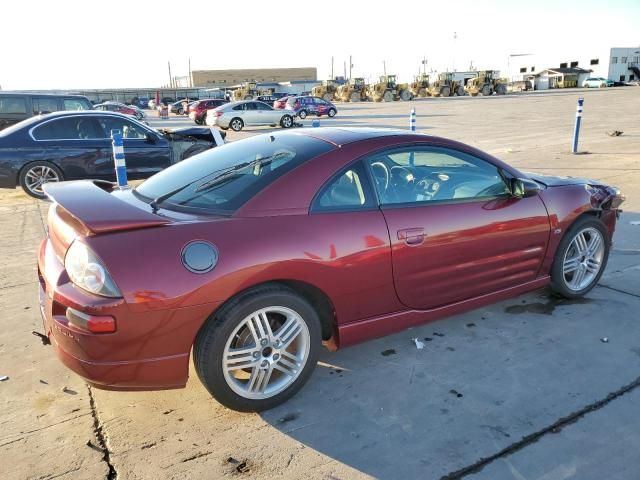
x: 37, y: 176
x: 266, y: 352
x: 583, y: 259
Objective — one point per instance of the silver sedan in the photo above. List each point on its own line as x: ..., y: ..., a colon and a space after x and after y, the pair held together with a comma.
x: 237, y: 115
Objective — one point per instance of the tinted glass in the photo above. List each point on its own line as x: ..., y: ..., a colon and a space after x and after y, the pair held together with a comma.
x: 13, y: 105
x: 263, y: 106
x: 422, y: 174
x: 71, y: 128
x: 348, y: 190
x: 44, y: 105
x: 224, y: 178
x: 76, y: 104
x: 128, y: 128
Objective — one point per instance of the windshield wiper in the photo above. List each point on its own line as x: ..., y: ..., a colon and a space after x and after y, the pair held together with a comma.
x: 223, y: 175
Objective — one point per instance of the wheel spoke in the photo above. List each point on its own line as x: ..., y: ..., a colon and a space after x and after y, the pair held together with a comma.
x: 578, y: 276
x: 241, y: 358
x: 594, y: 244
x: 259, y: 380
x: 571, y: 264
x: 287, y: 364
x: 288, y: 332
x: 593, y: 265
x: 581, y: 243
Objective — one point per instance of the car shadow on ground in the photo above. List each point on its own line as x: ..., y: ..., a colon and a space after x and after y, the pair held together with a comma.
x: 482, y: 380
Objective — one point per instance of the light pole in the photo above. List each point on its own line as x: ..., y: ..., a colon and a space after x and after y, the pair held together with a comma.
x: 424, y: 65
x: 453, y: 61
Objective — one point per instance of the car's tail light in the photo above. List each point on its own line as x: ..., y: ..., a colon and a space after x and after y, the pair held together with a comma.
x: 88, y: 272
x: 91, y: 323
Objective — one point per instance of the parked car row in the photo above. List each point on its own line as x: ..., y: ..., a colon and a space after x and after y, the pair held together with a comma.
x: 15, y: 107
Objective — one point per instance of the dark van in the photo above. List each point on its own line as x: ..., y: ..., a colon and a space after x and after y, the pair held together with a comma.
x: 15, y: 107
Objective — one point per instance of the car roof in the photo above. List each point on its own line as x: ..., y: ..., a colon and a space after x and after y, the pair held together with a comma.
x: 54, y: 95
x: 344, y: 135
x: 31, y: 121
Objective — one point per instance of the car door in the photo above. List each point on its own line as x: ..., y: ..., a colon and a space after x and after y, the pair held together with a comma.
x: 76, y: 144
x: 268, y: 116
x: 144, y: 155
x: 456, y: 231
x: 251, y: 114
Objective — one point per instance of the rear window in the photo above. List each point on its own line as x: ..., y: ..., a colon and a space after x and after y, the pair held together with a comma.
x: 76, y: 104
x: 222, y: 179
x: 13, y: 105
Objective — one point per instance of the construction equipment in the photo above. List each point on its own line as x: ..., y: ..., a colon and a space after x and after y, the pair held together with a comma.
x: 354, y: 90
x: 387, y: 90
x: 246, y: 92
x: 485, y: 84
x: 326, y: 91
x: 446, y: 86
x: 420, y: 86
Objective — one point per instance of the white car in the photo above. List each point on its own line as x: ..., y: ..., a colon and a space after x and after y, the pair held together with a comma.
x: 237, y: 115
x: 596, y: 82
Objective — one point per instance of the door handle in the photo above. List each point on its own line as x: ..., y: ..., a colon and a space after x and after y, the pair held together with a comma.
x: 411, y: 236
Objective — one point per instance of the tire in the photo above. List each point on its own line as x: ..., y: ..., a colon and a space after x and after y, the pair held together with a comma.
x: 236, y: 124
x: 181, y: 111
x: 486, y: 91
x: 445, y: 91
x: 331, y: 112
x: 460, y: 91
x: 501, y: 89
x: 232, y: 327
x: 35, y: 174
x: 388, y: 96
x: 405, y: 95
x: 302, y: 114
x: 286, y: 121
x: 564, y: 281
x: 355, y: 97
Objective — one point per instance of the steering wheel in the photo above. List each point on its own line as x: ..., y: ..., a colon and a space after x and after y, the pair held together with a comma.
x: 381, y: 166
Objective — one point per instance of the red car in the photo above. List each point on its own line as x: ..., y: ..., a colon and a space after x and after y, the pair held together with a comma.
x: 198, y: 110
x: 254, y: 254
x: 117, y: 107
x: 281, y: 103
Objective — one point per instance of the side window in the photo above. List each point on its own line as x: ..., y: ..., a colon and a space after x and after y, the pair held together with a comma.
x: 75, y: 104
x: 238, y: 107
x: 44, y: 105
x: 251, y: 106
x: 13, y: 105
x: 263, y: 106
x: 129, y: 129
x: 429, y: 174
x: 71, y: 128
x: 348, y: 190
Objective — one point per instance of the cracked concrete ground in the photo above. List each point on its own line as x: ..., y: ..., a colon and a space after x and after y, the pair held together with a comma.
x: 523, y: 389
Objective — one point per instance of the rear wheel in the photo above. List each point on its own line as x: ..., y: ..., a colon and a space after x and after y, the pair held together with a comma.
x: 35, y: 175
x: 405, y: 95
x: 181, y: 111
x: 581, y: 258
x: 388, y: 96
x: 286, y: 121
x: 332, y: 112
x: 445, y: 91
x: 486, y: 91
x: 460, y: 91
x: 236, y: 124
x: 258, y: 350
x: 501, y: 89
x: 302, y: 114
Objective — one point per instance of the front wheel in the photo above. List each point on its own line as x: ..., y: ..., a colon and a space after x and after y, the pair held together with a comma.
x: 302, y: 114
x: 259, y: 349
x: 581, y: 258
x: 35, y: 175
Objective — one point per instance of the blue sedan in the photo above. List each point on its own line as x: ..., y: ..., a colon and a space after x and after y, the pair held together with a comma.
x: 77, y: 145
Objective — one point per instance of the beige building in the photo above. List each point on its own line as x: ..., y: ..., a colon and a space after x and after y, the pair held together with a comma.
x: 228, y: 78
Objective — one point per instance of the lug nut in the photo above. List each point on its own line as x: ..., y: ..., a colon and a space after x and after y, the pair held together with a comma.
x: 256, y: 354
x: 264, y: 364
x: 263, y: 342
x: 276, y: 356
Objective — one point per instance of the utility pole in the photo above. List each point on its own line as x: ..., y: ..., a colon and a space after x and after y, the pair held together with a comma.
x: 424, y: 65
x: 345, y: 69
x: 384, y: 67
x: 350, y: 66
x: 455, y: 37
x: 190, y: 80
x: 332, y: 77
x: 170, y: 77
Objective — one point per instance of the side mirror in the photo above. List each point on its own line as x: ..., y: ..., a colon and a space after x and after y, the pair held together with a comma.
x: 150, y: 138
x: 523, y: 187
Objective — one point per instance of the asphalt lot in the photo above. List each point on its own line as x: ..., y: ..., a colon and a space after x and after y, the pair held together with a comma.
x: 523, y: 389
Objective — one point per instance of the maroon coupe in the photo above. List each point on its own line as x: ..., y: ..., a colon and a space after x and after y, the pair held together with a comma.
x: 255, y: 253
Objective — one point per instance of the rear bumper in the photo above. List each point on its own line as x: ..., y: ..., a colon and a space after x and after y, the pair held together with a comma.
x: 149, y: 350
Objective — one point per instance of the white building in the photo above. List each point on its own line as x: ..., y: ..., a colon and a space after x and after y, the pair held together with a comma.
x: 617, y: 64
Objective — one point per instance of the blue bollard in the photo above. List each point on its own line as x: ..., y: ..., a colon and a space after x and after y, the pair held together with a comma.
x: 576, y: 130
x: 118, y: 158
x: 315, y: 123
x: 412, y: 120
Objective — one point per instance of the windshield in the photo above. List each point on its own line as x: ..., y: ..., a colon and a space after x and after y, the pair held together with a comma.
x: 222, y: 179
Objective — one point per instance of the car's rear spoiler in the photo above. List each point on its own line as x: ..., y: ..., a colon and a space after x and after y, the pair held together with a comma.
x: 90, y: 203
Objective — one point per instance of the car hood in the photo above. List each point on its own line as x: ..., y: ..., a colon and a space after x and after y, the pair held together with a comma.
x: 557, y: 181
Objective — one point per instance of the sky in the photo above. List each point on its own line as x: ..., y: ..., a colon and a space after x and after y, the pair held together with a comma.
x: 67, y: 44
